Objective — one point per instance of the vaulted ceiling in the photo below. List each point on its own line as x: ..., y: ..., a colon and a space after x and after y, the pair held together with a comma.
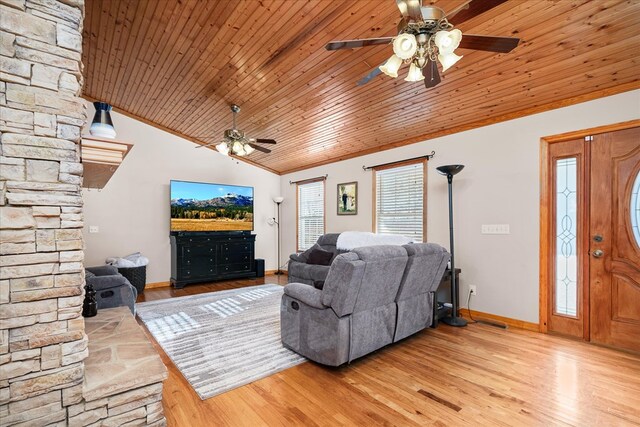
x: 179, y: 64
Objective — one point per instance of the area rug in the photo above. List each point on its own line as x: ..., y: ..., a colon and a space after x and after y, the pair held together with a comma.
x: 221, y: 340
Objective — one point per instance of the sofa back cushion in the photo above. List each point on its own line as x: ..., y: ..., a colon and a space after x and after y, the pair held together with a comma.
x: 327, y: 242
x: 425, y: 268
x: 384, y: 267
x: 345, y: 273
x: 363, y: 279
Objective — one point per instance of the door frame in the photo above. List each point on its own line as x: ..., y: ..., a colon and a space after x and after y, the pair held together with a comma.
x: 546, y: 220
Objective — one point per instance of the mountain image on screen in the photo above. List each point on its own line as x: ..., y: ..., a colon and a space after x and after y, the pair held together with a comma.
x: 227, y: 212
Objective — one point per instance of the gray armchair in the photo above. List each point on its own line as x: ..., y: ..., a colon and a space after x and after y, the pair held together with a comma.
x: 353, y: 315
x: 302, y: 272
x: 112, y: 288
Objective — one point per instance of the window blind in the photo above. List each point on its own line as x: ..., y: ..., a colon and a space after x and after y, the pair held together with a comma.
x: 310, y: 213
x: 400, y: 201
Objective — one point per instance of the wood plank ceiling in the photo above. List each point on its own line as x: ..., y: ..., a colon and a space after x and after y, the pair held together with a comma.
x: 179, y: 64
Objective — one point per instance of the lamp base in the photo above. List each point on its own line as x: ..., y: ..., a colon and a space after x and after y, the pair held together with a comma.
x: 279, y: 272
x: 454, y: 321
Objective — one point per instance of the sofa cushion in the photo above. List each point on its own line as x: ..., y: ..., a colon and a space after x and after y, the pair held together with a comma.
x: 320, y: 257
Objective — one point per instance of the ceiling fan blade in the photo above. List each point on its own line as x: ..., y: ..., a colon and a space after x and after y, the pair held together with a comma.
x: 373, y: 73
x: 205, y: 145
x: 471, y: 9
x: 489, y: 43
x: 352, y: 44
x: 410, y: 9
x: 265, y: 141
x: 431, y: 74
x: 259, y: 148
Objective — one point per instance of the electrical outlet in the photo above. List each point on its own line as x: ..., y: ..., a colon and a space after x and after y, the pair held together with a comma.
x: 94, y: 229
x: 472, y: 290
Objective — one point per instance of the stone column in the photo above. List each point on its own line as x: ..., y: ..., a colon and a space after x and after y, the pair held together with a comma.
x: 42, y: 338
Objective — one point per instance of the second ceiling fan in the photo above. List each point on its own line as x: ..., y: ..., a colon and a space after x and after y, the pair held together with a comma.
x: 235, y: 142
x: 426, y: 34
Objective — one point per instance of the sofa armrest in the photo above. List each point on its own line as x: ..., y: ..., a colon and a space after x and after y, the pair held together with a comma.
x: 305, y: 294
x: 103, y: 270
x: 104, y: 282
x: 297, y: 258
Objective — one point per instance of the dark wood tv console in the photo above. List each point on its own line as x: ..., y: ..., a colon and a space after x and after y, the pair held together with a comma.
x: 206, y: 257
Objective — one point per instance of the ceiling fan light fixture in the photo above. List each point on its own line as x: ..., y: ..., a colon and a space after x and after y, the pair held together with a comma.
x: 391, y: 67
x: 248, y: 149
x: 448, y: 41
x: 448, y: 60
x: 415, y: 74
x: 223, y: 148
x: 238, y: 148
x: 405, y: 46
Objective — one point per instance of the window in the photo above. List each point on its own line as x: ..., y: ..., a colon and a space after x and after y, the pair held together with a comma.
x: 310, y: 213
x: 400, y: 200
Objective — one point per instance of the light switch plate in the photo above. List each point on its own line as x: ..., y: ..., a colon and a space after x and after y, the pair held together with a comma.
x: 94, y: 229
x: 495, y: 229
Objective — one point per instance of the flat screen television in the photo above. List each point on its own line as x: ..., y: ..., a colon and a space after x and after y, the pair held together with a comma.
x: 199, y: 206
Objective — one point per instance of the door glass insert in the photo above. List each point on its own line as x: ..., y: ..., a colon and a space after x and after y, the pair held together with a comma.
x: 635, y: 208
x: 566, y: 274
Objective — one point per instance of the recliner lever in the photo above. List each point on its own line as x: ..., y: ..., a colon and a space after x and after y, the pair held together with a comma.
x: 295, y: 305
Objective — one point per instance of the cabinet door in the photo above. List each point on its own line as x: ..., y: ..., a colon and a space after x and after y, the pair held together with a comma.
x: 198, y: 261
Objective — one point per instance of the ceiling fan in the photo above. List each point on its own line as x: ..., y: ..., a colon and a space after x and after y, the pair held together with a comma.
x: 235, y: 142
x: 427, y: 34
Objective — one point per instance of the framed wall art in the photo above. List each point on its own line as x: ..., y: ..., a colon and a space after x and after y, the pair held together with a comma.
x: 348, y: 198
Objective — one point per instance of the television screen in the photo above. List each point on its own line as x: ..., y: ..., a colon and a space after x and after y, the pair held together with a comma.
x: 197, y: 206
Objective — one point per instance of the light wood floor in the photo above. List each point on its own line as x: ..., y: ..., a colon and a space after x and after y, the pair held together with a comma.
x: 478, y: 375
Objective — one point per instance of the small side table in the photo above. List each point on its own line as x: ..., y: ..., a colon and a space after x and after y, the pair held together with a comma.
x: 443, y: 295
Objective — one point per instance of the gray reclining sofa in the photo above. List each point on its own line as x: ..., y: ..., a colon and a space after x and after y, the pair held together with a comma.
x: 373, y: 296
x: 112, y: 288
x: 302, y: 272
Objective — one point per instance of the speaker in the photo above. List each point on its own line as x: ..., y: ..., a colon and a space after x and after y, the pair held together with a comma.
x: 259, y: 267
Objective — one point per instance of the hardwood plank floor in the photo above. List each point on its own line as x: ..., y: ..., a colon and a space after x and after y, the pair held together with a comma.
x: 478, y: 375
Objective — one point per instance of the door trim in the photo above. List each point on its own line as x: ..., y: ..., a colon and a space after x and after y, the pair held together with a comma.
x: 546, y: 224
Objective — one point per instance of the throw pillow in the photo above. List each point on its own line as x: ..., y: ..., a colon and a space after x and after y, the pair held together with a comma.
x: 320, y: 257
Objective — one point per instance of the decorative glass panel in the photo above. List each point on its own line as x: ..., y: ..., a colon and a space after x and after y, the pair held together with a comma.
x: 566, y: 286
x: 635, y: 208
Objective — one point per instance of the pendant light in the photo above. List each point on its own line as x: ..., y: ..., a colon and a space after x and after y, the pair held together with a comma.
x: 102, y: 126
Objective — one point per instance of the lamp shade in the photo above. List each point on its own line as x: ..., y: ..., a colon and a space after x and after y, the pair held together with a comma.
x: 414, y: 75
x: 223, y: 148
x: 391, y: 67
x: 238, y: 148
x: 248, y: 149
x: 278, y: 199
x: 405, y: 46
x: 102, y: 126
x: 448, y: 60
x: 449, y: 170
x: 448, y: 41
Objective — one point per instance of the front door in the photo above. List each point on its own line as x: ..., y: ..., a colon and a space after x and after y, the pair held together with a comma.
x: 590, y: 237
x: 614, y: 265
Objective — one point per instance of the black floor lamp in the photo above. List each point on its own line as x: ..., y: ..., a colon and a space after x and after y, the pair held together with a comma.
x: 278, y: 201
x: 453, y: 319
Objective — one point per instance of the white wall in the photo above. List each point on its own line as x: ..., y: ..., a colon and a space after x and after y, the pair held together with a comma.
x: 132, y: 211
x: 499, y: 185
